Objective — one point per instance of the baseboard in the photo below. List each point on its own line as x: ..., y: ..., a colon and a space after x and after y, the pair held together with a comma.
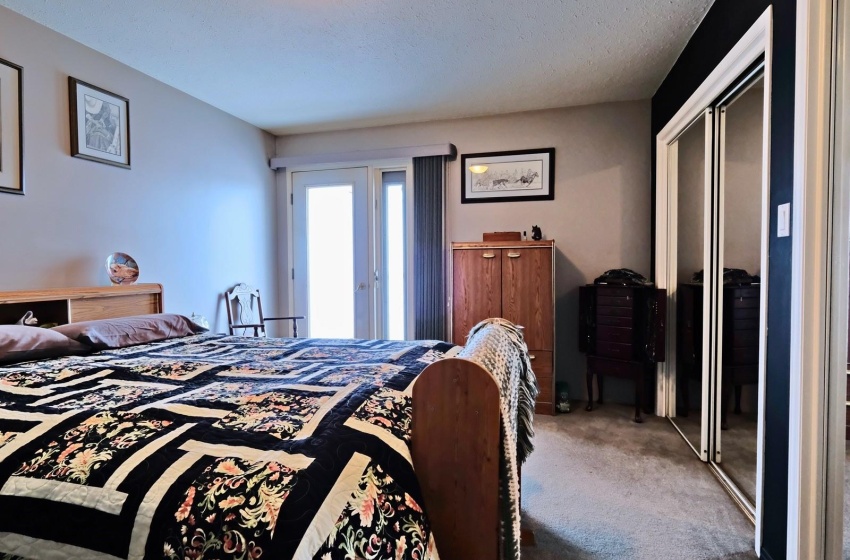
x: 765, y: 555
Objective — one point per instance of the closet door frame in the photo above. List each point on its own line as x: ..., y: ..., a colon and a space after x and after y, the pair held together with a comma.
x: 718, y: 264
x: 756, y: 43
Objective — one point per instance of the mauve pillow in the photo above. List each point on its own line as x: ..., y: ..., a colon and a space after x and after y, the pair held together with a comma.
x: 19, y: 343
x: 127, y: 331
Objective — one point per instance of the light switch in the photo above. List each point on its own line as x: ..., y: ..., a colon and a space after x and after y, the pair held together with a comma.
x: 783, y: 220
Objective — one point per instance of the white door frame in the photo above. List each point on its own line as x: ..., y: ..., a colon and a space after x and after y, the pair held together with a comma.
x: 362, y: 283
x: 757, y: 41
x: 375, y: 167
x: 837, y: 393
x: 820, y: 225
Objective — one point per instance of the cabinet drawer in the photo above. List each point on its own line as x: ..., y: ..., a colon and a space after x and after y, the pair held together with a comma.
x: 745, y: 303
x: 614, y: 334
x: 617, y: 368
x: 541, y: 363
x: 609, y: 321
x: 746, y: 313
x: 614, y: 350
x: 749, y: 355
x: 614, y: 301
x: 745, y: 338
x: 745, y: 324
x: 741, y: 375
x: 613, y: 311
x: 606, y: 291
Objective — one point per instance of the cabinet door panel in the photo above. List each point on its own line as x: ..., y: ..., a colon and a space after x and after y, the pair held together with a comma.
x: 476, y: 289
x: 527, y: 294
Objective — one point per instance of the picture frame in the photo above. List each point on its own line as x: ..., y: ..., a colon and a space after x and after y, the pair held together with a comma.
x: 11, y: 128
x: 520, y: 175
x: 100, y: 124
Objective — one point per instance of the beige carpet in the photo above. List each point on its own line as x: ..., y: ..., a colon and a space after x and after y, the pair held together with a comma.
x: 599, y: 486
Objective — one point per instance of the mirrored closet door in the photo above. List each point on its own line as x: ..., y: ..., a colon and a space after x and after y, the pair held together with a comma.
x: 693, y: 171
x: 740, y: 243
x: 717, y: 187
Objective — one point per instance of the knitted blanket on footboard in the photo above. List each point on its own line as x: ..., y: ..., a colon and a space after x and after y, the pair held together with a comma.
x: 498, y: 346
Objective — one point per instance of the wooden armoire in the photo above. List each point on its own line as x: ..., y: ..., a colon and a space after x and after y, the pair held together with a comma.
x: 514, y: 280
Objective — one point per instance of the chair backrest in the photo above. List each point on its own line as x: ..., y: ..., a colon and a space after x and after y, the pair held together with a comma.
x: 244, y: 309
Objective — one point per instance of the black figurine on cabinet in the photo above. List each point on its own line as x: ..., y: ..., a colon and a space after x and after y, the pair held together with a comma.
x: 536, y: 234
x: 621, y: 329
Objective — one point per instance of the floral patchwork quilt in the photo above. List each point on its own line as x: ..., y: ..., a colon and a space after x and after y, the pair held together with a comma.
x: 215, y: 446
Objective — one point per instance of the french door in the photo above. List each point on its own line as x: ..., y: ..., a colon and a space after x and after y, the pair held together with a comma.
x: 331, y: 250
x: 351, y: 264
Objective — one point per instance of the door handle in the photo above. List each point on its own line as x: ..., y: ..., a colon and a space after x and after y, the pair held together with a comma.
x: 488, y: 255
x: 360, y: 287
x: 513, y: 255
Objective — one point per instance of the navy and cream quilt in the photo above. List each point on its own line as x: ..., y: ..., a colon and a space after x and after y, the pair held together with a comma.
x: 215, y: 446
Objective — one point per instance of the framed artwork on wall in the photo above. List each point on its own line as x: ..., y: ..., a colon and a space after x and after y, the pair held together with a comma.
x: 11, y: 128
x: 508, y: 176
x: 100, y: 124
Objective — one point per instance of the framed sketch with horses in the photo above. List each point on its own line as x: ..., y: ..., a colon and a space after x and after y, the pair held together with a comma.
x: 508, y: 176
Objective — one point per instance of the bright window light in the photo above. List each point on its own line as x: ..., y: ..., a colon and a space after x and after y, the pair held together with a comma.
x: 394, y: 277
x: 330, y: 257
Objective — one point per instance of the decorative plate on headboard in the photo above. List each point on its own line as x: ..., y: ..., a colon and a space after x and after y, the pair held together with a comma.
x: 122, y: 268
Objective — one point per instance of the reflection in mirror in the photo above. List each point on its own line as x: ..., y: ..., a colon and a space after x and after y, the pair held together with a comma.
x: 742, y: 237
x: 690, y: 257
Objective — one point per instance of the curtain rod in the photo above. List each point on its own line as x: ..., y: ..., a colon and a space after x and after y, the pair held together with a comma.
x: 448, y: 150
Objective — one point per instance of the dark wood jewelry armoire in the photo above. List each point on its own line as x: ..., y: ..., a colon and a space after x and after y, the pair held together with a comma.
x: 621, y: 329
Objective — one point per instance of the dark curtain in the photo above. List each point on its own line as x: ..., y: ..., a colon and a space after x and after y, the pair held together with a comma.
x: 428, y: 254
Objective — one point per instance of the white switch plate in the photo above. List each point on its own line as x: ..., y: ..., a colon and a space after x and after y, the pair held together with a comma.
x: 783, y: 220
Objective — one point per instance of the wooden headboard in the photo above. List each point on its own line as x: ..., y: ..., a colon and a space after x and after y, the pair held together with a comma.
x: 72, y: 305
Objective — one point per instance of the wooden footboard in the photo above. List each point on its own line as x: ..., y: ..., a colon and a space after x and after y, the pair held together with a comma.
x: 455, y: 440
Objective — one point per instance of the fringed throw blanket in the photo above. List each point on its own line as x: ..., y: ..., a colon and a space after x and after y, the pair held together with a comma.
x: 498, y: 346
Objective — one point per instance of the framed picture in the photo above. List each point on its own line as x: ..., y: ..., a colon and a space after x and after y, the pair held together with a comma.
x: 100, y: 124
x: 508, y: 176
x: 11, y: 128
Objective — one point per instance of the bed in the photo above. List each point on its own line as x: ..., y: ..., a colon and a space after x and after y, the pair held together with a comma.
x: 217, y: 446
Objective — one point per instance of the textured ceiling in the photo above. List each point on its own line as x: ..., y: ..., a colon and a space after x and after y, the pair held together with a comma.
x: 305, y: 65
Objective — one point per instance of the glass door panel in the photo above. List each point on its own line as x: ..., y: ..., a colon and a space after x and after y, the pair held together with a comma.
x: 331, y: 250
x: 740, y: 316
x: 394, y: 240
x: 330, y: 303
x: 693, y: 170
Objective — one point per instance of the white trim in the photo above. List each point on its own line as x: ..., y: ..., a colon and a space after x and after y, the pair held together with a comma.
x: 751, y: 46
x: 811, y: 289
x: 719, y: 162
x: 709, y: 287
x: 767, y: 83
x: 350, y: 158
x: 836, y: 444
x: 754, y: 43
x: 757, y: 41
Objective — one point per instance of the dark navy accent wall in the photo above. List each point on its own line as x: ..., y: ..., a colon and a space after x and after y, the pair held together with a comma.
x: 725, y: 23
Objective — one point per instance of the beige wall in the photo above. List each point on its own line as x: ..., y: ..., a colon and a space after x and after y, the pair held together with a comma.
x: 691, y: 208
x: 196, y: 210
x: 600, y: 218
x: 742, y: 208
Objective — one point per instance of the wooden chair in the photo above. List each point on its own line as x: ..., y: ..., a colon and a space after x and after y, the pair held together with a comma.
x: 243, y: 302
